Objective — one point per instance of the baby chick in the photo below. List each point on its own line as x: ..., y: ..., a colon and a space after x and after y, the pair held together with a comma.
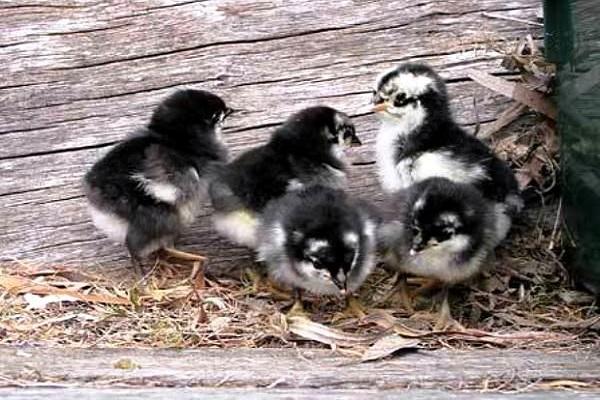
x: 318, y: 239
x: 306, y: 150
x: 419, y: 139
x: 438, y: 229
x: 150, y: 186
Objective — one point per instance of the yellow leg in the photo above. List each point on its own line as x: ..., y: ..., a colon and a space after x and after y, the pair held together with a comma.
x: 354, y: 307
x: 401, y: 291
x: 297, y: 309
x: 445, y: 321
x: 137, y: 266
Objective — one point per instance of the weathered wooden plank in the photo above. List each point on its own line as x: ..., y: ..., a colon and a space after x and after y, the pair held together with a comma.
x: 79, y: 75
x: 276, y: 394
x: 296, y: 368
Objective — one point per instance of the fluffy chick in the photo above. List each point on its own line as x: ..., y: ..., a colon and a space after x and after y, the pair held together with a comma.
x: 438, y: 229
x: 318, y: 239
x: 307, y: 149
x: 149, y: 187
x: 418, y: 139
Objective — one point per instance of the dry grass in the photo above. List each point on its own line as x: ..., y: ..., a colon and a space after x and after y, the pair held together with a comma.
x: 525, y: 301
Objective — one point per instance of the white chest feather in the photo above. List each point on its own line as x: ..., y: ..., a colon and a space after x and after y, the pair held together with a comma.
x: 239, y: 226
x: 444, y: 164
x: 113, y: 226
x: 440, y: 262
x: 393, y: 175
x: 162, y: 191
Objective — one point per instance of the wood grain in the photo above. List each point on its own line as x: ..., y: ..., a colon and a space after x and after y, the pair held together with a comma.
x: 276, y: 394
x: 77, y: 76
x: 294, y: 368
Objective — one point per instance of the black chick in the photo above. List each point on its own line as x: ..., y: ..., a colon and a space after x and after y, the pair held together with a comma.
x: 318, y: 239
x: 306, y: 150
x: 150, y: 186
x: 419, y: 139
x: 437, y: 229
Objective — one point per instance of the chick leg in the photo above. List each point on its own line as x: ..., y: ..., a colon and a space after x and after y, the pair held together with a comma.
x: 297, y: 309
x: 445, y: 321
x: 136, y: 263
x: 261, y: 283
x: 400, y: 289
x: 354, y: 307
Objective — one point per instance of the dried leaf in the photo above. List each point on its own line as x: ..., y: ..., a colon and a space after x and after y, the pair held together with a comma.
x: 19, y: 285
x: 516, y: 91
x: 308, y: 329
x: 387, y: 346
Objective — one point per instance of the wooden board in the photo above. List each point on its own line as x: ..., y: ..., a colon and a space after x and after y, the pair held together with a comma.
x: 297, y: 371
x: 77, y: 76
x: 275, y: 394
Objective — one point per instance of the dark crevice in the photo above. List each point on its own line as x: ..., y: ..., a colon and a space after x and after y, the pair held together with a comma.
x: 55, y: 124
x: 362, y: 163
x: 57, y: 6
x: 50, y: 246
x: 3, y: 46
x: 41, y: 128
x: 184, y: 3
x: 59, y: 151
x: 91, y: 30
x: 111, y: 96
x: 28, y: 84
x: 210, y: 45
x: 252, y: 128
x: 267, y: 81
x: 36, y: 203
x: 18, y: 192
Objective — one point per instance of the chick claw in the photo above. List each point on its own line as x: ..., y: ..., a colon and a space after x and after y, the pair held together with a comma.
x: 297, y: 310
x: 353, y: 309
x: 260, y: 283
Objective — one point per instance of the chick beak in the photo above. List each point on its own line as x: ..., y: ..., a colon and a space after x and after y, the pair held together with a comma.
x: 229, y: 111
x: 352, y: 141
x: 381, y: 107
x: 341, y: 286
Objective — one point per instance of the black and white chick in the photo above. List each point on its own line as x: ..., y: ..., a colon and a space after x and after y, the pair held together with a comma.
x: 320, y: 240
x: 419, y: 138
x: 144, y: 191
x: 438, y: 229
x: 307, y: 149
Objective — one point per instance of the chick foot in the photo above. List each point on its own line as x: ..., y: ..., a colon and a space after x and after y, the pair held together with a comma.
x: 445, y: 321
x: 297, y: 309
x: 261, y: 283
x: 197, y: 260
x: 353, y: 309
x: 401, y: 293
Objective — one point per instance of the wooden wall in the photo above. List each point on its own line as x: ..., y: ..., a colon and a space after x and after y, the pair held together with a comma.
x: 77, y: 76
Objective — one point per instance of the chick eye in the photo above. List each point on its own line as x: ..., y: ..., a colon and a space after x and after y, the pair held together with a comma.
x: 318, y: 265
x: 401, y: 100
x: 415, y: 231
